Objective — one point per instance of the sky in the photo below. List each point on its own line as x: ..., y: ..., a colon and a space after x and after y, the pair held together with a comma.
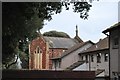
x: 102, y: 15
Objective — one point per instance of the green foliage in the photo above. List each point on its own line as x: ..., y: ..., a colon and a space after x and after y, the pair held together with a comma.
x: 56, y: 34
x: 18, y: 26
x: 21, y: 20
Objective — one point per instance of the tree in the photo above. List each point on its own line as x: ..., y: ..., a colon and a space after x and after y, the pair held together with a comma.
x: 56, y: 34
x: 21, y: 20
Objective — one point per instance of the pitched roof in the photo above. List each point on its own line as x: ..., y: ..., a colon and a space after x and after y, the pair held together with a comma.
x: 59, y: 42
x: 98, y: 71
x: 75, y: 47
x: 117, y: 25
x: 70, y: 50
x: 74, y: 65
x: 102, y: 44
x: 78, y: 38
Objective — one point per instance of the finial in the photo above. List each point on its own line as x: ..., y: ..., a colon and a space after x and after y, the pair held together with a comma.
x: 76, y: 30
x: 76, y: 27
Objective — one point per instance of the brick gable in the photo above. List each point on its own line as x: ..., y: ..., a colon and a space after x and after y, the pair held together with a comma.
x: 38, y: 42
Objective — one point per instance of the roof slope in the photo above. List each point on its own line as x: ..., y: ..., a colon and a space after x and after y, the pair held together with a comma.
x: 98, y: 71
x: 70, y: 50
x: 102, y: 44
x: 78, y: 38
x: 59, y: 42
x: 74, y: 65
x: 75, y: 47
x: 117, y: 25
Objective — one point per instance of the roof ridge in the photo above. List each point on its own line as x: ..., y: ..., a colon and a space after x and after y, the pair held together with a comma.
x: 71, y: 50
x: 75, y: 47
x: 57, y: 37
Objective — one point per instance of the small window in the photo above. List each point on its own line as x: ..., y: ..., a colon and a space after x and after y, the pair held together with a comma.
x: 59, y: 63
x: 99, y: 58
x: 38, y: 50
x: 82, y: 57
x: 115, y: 42
x: 106, y: 57
x: 92, y: 58
x: 86, y: 56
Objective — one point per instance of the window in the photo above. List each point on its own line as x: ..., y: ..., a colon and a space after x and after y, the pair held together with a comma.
x: 115, y: 42
x: 38, y: 58
x: 86, y: 56
x: 38, y: 50
x: 106, y: 57
x: 59, y: 63
x: 35, y: 52
x: 99, y: 58
x: 92, y: 58
x: 82, y: 57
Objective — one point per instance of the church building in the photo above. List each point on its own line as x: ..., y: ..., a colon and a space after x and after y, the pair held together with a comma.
x: 43, y: 48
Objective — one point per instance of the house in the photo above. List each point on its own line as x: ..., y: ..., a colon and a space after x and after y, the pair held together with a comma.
x: 43, y: 48
x: 70, y: 57
x: 96, y: 58
x: 114, y: 37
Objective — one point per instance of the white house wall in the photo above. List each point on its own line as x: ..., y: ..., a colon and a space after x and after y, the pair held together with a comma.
x: 114, y: 54
x: 103, y: 65
x: 93, y: 66
x: 73, y: 57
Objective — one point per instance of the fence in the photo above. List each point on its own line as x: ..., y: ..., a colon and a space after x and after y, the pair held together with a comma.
x: 47, y: 75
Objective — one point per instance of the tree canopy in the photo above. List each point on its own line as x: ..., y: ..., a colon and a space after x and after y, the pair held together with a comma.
x: 21, y: 20
x: 56, y: 34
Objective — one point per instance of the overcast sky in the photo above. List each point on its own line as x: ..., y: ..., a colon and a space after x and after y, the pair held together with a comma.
x: 102, y: 15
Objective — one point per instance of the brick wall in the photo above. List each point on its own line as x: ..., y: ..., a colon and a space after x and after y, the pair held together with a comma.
x: 38, y: 42
x: 54, y: 53
x: 46, y: 53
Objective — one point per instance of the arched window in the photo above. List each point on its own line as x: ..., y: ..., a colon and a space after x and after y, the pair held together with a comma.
x: 106, y: 57
x: 35, y: 51
x: 38, y: 50
x: 99, y: 58
x: 38, y: 58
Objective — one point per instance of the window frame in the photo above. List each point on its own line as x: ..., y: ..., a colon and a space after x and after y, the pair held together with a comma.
x: 92, y: 58
x: 106, y: 57
x: 86, y: 58
x: 99, y: 57
x: 115, y: 42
